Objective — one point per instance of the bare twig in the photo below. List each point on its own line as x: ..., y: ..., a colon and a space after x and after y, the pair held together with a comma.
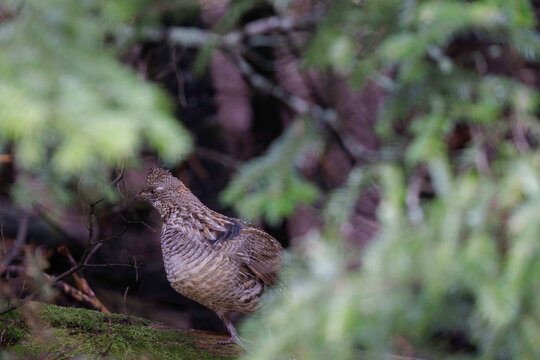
x: 19, y: 303
x: 179, y: 77
x: 195, y: 37
x: 138, y: 222
x: 89, y: 251
x: 124, y: 299
x: 235, y: 41
x: 65, y: 353
x: 327, y: 117
x: 119, y: 180
x: 46, y: 355
x: 4, y: 251
x: 91, y: 301
x: 137, y: 266
x: 43, y: 214
x: 5, y: 330
x: 131, y: 266
x: 119, y: 177
x: 229, y: 42
x: 76, y: 294
x: 217, y: 157
x: 415, y: 212
x: 19, y: 241
x: 88, y: 297
x: 78, y: 277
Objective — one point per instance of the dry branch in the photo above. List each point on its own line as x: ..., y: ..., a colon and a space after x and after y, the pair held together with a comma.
x: 19, y: 241
x: 325, y: 117
x: 5, y: 158
x: 218, y: 157
x: 195, y: 37
x: 89, y: 300
x: 233, y: 42
x: 89, y: 251
x: 79, y: 279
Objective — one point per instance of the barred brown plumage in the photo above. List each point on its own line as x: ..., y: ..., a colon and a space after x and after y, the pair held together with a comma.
x: 221, y: 262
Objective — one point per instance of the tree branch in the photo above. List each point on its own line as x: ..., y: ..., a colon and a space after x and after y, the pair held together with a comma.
x: 218, y: 157
x: 89, y: 251
x: 326, y: 117
x: 195, y: 37
x: 18, y: 243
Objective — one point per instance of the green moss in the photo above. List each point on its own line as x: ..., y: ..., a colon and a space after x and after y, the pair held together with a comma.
x: 98, y: 335
x: 12, y: 327
x: 85, y: 319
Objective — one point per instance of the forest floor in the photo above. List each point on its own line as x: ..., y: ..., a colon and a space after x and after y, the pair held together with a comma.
x: 46, y: 331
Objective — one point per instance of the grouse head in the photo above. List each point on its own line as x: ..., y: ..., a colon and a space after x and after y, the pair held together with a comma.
x: 164, y: 191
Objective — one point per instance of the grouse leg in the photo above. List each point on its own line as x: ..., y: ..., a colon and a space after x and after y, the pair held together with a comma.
x: 224, y: 316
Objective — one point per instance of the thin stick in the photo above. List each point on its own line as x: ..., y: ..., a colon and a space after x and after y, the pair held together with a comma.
x: 327, y: 117
x: 80, y: 281
x: 217, y: 157
x: 124, y: 299
x: 89, y: 251
x: 4, y: 251
x: 19, y: 241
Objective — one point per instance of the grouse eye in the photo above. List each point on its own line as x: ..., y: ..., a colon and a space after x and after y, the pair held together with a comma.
x: 153, y: 191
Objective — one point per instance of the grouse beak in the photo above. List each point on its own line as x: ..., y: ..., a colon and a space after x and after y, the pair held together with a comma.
x: 139, y: 196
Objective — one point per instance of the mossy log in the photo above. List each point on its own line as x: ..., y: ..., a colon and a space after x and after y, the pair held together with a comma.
x: 49, y: 331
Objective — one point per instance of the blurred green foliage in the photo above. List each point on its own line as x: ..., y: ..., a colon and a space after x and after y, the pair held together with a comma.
x: 68, y: 108
x: 269, y: 187
x: 452, y: 275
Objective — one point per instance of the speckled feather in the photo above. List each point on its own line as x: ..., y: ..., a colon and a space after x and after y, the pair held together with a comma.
x: 221, y: 262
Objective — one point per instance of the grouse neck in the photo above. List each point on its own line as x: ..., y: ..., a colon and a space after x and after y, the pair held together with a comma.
x: 182, y: 210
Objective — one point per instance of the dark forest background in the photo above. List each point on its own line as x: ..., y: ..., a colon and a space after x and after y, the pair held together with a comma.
x: 391, y: 146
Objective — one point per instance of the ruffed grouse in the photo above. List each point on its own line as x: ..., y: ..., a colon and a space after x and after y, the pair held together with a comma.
x: 221, y: 262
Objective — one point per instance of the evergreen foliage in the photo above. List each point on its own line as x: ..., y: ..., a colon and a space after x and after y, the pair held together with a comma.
x: 255, y: 193
x: 68, y: 107
x: 455, y: 275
